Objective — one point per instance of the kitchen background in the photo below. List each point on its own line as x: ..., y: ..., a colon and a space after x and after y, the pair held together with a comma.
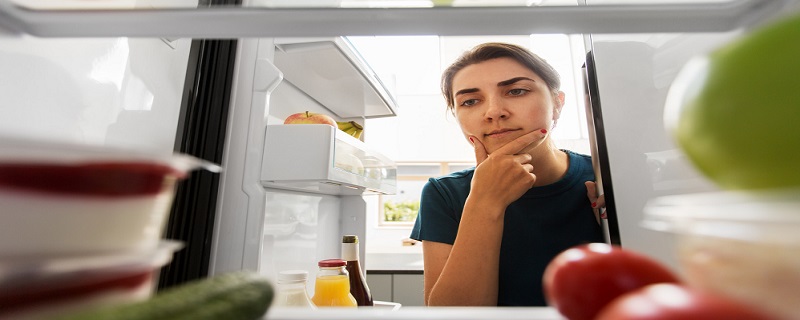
x: 425, y: 140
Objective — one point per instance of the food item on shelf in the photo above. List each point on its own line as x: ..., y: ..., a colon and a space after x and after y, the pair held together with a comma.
x: 582, y: 280
x: 308, y: 117
x: 665, y: 301
x: 738, y: 244
x: 236, y: 296
x: 41, y: 287
x: 61, y: 199
x: 291, y: 290
x: 736, y: 114
x: 332, y: 286
x: 349, y: 162
x: 352, y: 128
x: 358, y: 283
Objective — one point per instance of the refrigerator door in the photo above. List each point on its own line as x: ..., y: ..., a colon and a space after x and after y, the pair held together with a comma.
x: 289, y: 192
x: 628, y: 78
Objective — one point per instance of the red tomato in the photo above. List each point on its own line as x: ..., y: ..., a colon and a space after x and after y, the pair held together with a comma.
x: 665, y: 301
x: 582, y: 280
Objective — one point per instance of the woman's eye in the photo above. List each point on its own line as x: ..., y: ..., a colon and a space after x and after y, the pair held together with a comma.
x: 517, y: 92
x: 468, y: 102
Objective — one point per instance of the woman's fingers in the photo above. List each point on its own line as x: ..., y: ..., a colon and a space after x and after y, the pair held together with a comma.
x: 519, y: 144
x: 598, y: 202
x: 528, y: 167
x: 480, y: 150
x: 591, y: 191
x: 601, y: 201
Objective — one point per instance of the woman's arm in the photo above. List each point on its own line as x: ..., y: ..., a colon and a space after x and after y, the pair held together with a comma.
x: 466, y: 273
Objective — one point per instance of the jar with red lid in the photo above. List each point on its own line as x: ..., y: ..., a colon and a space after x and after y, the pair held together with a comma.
x: 332, y: 286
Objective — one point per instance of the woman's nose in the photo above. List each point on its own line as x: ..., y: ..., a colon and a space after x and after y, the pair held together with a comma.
x: 495, y: 109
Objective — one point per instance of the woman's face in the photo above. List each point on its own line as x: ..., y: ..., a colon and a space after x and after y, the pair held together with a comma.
x: 499, y: 100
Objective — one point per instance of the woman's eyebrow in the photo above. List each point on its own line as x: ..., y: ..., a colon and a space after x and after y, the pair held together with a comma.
x: 499, y: 84
x: 513, y: 80
x: 463, y: 91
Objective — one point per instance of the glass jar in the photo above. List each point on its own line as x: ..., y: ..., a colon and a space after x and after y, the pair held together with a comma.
x: 291, y: 290
x: 332, y: 286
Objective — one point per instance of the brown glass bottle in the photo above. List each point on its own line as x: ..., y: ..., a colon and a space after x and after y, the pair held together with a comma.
x: 358, y: 284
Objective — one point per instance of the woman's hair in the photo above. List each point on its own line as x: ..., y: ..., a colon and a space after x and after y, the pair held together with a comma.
x: 494, y: 50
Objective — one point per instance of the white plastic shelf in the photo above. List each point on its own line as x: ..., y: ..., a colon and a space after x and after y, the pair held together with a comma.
x: 319, y: 158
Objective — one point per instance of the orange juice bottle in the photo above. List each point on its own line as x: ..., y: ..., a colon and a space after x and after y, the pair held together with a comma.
x: 332, y: 287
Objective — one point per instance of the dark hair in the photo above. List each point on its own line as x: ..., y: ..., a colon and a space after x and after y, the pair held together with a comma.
x: 494, y: 50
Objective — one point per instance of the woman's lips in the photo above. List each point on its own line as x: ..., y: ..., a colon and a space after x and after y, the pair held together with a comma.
x: 500, y: 133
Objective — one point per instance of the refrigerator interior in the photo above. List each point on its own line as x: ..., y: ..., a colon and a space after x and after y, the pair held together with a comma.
x: 270, y: 226
x: 105, y: 90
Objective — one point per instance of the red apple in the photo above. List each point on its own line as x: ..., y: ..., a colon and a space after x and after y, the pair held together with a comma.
x: 309, y: 118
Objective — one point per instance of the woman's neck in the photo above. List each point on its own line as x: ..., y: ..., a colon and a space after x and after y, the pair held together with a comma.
x: 550, y: 164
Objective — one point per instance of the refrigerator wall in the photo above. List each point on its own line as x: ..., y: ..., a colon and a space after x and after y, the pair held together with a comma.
x: 95, y: 91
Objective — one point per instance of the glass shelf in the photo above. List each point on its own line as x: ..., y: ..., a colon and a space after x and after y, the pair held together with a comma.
x: 332, y: 72
x: 323, y: 18
x: 275, y: 4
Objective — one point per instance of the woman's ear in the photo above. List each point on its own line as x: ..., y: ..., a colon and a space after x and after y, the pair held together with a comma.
x: 558, y: 105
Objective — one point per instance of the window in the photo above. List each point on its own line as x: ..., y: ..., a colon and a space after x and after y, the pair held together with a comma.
x: 401, y: 209
x: 424, y: 139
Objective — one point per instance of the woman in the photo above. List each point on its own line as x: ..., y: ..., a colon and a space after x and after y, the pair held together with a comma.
x: 488, y: 232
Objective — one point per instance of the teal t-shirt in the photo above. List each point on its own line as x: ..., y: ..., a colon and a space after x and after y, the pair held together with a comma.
x: 545, y: 221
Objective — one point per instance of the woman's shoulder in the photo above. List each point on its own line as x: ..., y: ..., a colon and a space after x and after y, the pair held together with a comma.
x: 452, y: 188
x: 580, y: 159
x: 580, y: 165
x: 455, y: 177
x: 581, y: 156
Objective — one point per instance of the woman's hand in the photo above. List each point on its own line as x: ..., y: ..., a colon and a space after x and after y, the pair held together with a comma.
x: 504, y: 176
x: 598, y: 202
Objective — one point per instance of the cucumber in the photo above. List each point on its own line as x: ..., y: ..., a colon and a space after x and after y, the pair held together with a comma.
x: 232, y: 296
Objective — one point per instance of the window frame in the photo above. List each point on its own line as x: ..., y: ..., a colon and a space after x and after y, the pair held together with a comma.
x: 444, y: 169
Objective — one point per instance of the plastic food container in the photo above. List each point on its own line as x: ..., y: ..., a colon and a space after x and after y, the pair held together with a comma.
x: 71, y: 199
x: 745, y: 245
x: 40, y: 287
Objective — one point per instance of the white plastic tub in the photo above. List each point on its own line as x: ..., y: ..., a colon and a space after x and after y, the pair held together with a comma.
x: 745, y: 245
x: 69, y: 199
x: 36, y: 288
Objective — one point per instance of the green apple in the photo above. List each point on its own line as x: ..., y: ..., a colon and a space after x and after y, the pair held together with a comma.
x: 741, y: 124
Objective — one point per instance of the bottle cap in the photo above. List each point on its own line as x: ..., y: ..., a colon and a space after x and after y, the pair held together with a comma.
x: 350, y: 239
x: 332, y: 263
x: 293, y: 275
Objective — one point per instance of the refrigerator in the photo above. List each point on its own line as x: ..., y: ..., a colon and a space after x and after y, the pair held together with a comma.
x: 216, y: 78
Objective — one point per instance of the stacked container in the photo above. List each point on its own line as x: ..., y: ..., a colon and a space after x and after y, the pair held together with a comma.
x: 82, y: 225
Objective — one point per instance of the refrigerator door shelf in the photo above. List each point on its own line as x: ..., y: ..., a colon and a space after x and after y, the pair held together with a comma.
x: 319, y: 158
x: 332, y: 72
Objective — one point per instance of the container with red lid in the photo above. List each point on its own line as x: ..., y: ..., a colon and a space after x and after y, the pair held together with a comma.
x: 41, y: 287
x: 331, y: 263
x: 64, y: 199
x: 332, y: 285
